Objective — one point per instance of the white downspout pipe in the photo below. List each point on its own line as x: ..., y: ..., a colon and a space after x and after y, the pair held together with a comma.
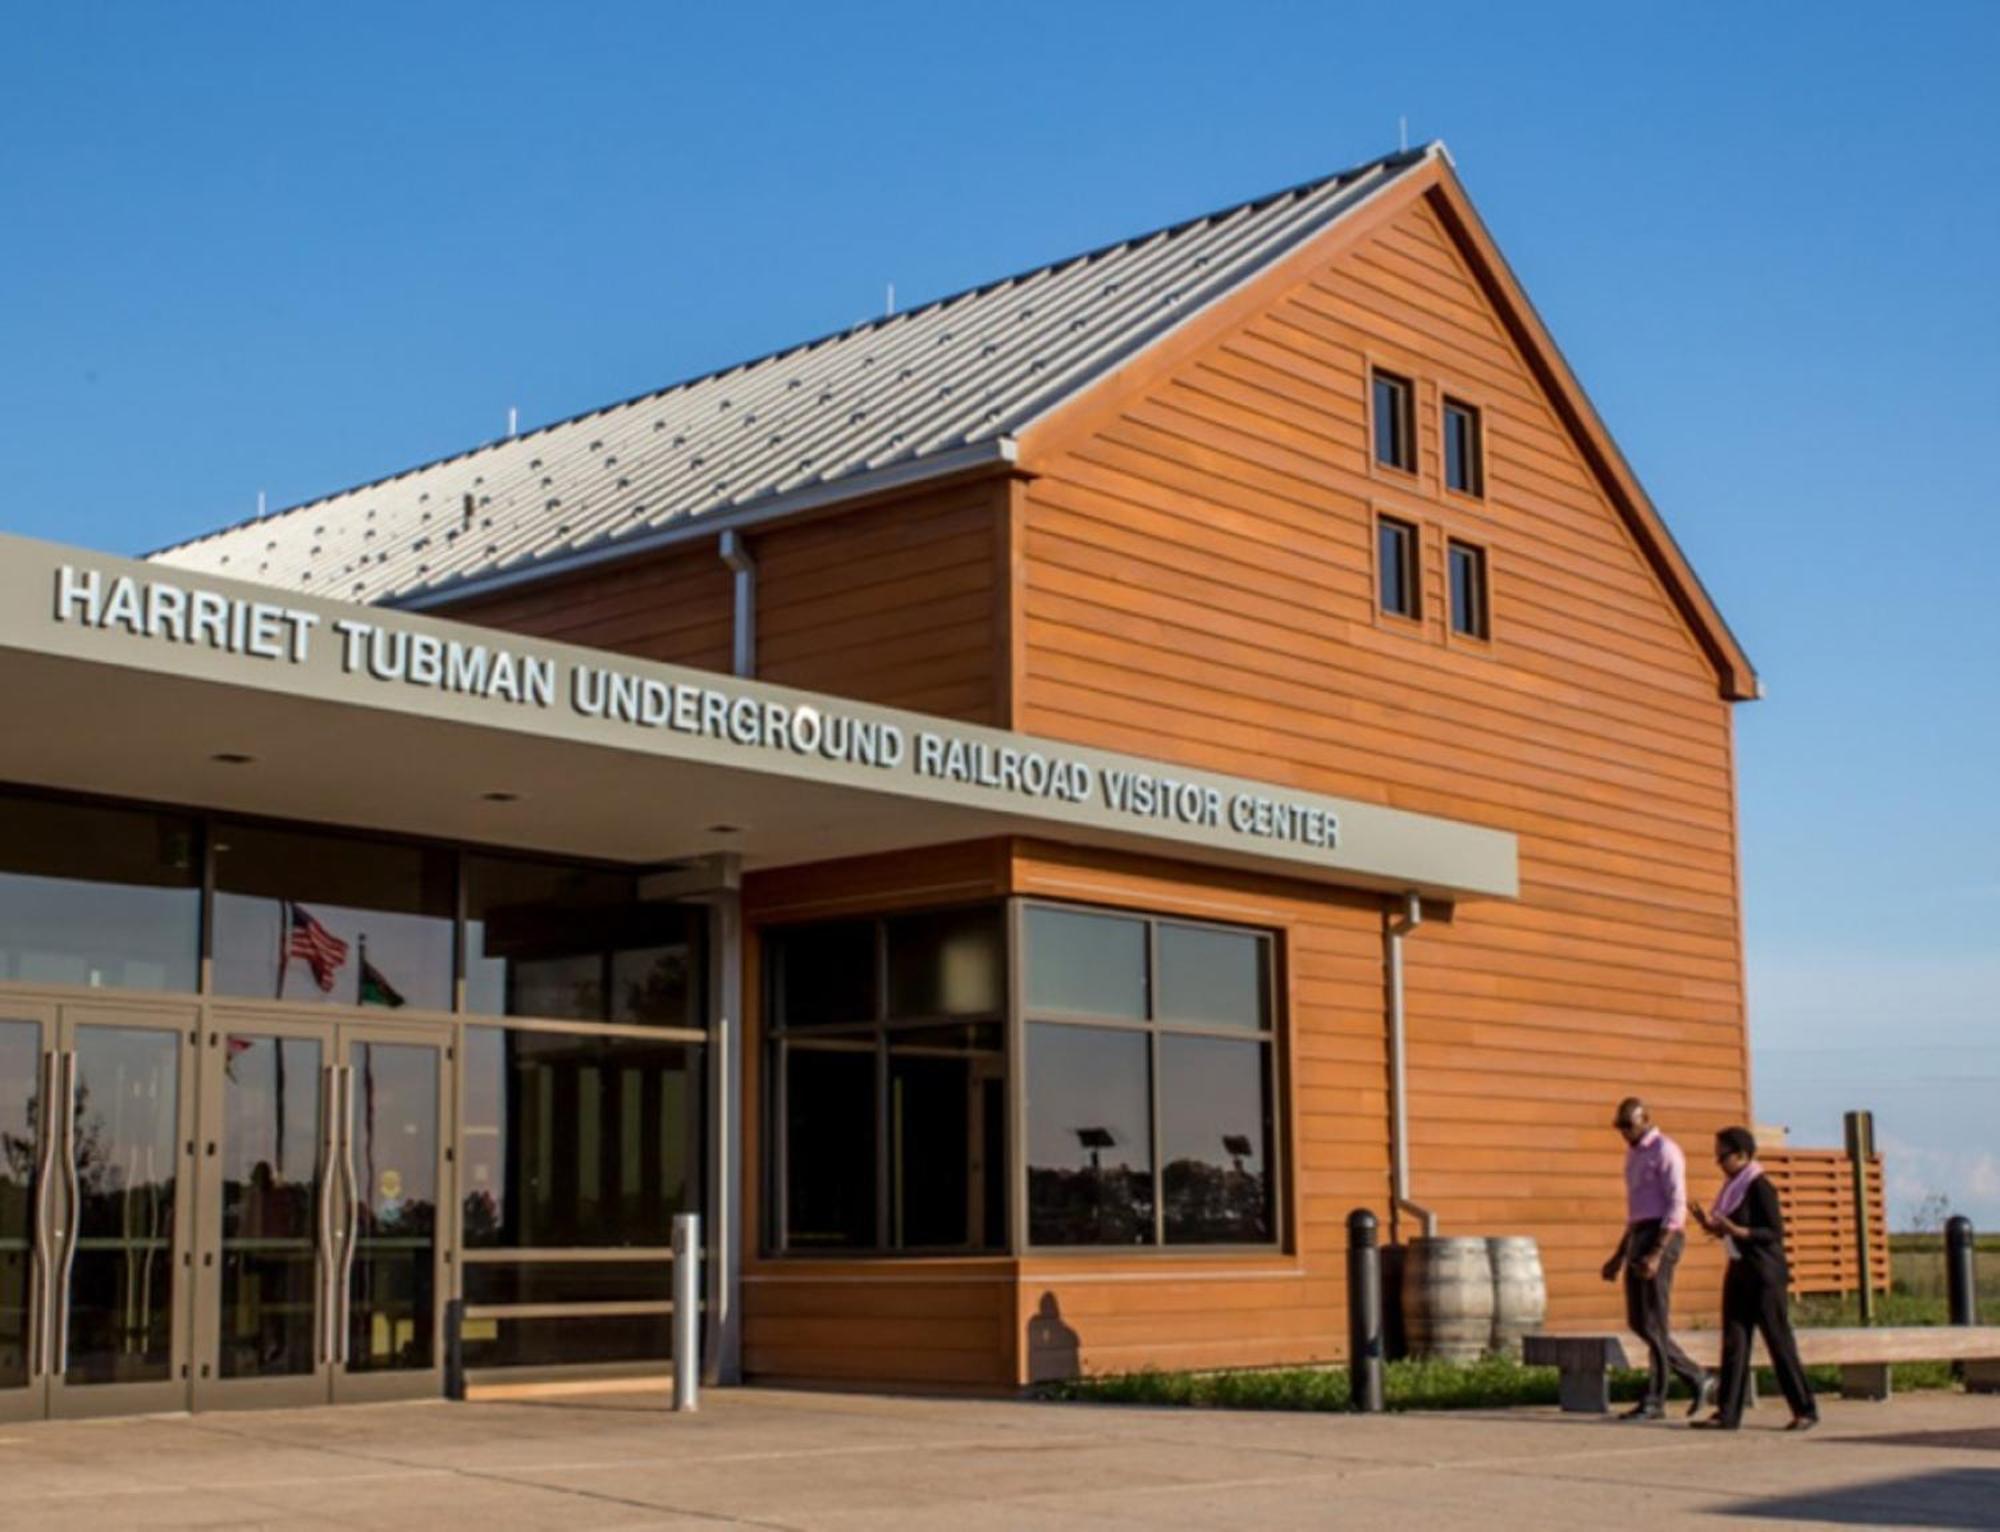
x: 1394, y: 928
x: 736, y: 555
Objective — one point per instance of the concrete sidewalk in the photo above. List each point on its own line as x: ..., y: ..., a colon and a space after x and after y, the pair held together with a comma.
x: 772, y: 1459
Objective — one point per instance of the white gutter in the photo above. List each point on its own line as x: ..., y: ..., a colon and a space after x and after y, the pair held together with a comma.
x: 1394, y: 929
x: 959, y: 460
x: 743, y: 648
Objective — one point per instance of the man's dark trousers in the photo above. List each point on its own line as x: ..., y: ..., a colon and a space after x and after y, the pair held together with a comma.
x: 1647, y: 1301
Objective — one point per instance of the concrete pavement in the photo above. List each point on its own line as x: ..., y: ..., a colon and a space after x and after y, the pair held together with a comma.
x: 812, y: 1462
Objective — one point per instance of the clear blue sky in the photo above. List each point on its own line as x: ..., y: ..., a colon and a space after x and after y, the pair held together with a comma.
x: 288, y: 248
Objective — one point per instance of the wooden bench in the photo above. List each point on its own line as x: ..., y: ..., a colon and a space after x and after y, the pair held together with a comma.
x: 1863, y: 1356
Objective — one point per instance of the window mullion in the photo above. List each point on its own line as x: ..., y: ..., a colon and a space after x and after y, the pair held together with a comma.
x: 1153, y: 1071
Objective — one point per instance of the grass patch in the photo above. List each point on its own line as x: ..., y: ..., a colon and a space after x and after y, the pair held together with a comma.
x: 1494, y: 1383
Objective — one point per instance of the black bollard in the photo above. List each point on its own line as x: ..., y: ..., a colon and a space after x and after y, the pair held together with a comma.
x: 1364, y: 1312
x: 454, y: 1349
x: 1959, y: 1278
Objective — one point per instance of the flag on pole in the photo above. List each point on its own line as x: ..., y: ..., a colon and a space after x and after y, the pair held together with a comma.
x: 320, y: 950
x: 376, y: 990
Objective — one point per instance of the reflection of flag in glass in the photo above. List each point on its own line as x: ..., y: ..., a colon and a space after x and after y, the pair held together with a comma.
x: 376, y: 990
x: 319, y: 948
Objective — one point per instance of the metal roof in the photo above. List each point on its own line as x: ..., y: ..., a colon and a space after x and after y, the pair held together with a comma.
x: 898, y: 398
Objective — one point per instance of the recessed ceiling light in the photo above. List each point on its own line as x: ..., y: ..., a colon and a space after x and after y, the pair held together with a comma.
x: 231, y: 758
x: 501, y: 797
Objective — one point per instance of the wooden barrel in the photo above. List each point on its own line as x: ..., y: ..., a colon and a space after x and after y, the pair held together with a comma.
x: 1520, y: 1292
x: 1448, y: 1298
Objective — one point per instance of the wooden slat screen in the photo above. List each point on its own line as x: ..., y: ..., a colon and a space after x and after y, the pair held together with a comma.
x: 1816, y: 1189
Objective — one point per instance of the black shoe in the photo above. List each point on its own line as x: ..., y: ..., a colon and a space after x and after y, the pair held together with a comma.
x: 1704, y: 1395
x: 1714, y: 1423
x: 1803, y: 1423
x: 1643, y: 1412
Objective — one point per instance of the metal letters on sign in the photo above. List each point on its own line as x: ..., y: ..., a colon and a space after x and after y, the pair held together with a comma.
x: 379, y: 650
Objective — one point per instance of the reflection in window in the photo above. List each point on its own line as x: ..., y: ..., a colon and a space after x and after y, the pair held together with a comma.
x: 1085, y: 963
x: 98, y: 897
x: 578, y: 1140
x: 1215, y: 1141
x: 1104, y: 1168
x: 333, y: 919
x: 1090, y: 1150
x: 1212, y: 975
x: 891, y: 1095
x: 571, y: 943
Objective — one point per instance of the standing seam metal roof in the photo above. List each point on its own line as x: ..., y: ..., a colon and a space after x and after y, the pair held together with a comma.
x: 972, y: 368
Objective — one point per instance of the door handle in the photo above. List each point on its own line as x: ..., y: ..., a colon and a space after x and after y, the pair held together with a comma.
x: 329, y: 1149
x: 43, y: 1303
x: 73, y: 1205
x: 353, y: 1220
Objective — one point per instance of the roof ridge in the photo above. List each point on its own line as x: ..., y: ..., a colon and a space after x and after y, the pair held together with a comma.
x: 1396, y: 160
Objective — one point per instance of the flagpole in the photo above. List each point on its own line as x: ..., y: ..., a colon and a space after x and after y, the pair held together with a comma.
x: 284, y: 945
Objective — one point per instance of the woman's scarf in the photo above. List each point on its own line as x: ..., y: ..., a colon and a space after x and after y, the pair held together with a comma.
x: 1735, y: 1189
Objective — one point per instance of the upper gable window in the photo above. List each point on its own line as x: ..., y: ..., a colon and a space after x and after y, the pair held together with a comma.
x: 1395, y: 422
x: 1468, y: 590
x: 1396, y: 566
x: 1464, y: 467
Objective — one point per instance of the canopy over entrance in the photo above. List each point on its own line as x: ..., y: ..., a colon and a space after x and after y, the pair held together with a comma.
x: 126, y: 679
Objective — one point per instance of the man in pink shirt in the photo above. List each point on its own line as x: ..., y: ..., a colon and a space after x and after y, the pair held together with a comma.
x: 1655, y: 1216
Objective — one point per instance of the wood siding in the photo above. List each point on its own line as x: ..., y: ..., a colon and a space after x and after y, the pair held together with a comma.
x: 1199, y: 585
x: 896, y: 603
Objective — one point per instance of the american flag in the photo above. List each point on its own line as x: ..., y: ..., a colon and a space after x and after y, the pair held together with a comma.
x: 322, y: 951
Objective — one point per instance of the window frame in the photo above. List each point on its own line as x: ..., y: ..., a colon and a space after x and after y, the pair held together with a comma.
x: 1452, y: 401
x: 1482, y: 631
x: 1413, y: 530
x: 1406, y: 382
x: 1271, y: 1037
x: 776, y: 1040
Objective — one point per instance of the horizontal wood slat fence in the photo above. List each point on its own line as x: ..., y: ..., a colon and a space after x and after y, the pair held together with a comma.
x: 1816, y: 1189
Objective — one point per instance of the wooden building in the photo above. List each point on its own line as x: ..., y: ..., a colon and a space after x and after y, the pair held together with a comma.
x: 1300, y: 495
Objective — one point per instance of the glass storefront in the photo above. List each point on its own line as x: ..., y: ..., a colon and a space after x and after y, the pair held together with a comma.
x: 429, y: 1061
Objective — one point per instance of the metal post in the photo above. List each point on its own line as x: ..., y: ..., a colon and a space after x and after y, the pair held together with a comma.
x: 687, y: 1310
x: 1364, y: 1312
x: 1860, y: 1146
x: 454, y: 1349
x: 1960, y: 1279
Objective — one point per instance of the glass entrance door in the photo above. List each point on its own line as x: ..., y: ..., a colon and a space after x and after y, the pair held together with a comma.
x: 260, y: 1333
x: 322, y: 1266
x: 392, y: 1282
x: 27, y: 1055
x: 115, y: 1211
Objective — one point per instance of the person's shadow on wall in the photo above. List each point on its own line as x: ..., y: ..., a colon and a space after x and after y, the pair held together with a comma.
x: 1053, y: 1352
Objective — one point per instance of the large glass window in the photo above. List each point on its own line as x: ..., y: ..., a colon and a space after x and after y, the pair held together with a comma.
x: 565, y: 942
x: 335, y: 919
x: 575, y: 1139
x: 98, y: 897
x: 888, y: 1082
x: 1153, y: 1125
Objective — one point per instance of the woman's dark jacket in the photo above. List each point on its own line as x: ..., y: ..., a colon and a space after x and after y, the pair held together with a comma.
x: 1762, y: 1246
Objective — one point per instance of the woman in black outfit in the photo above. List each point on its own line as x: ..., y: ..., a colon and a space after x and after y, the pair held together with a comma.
x: 1746, y: 1218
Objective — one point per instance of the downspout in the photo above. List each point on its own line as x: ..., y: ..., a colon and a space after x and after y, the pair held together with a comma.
x: 744, y: 568
x: 1394, y: 929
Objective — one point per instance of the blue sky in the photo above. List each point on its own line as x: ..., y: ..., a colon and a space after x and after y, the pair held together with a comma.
x: 286, y: 248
